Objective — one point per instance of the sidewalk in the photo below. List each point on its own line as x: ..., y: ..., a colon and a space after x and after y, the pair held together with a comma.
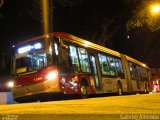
x: 6, y: 98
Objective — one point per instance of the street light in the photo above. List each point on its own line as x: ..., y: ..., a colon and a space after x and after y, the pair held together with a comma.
x: 155, y: 9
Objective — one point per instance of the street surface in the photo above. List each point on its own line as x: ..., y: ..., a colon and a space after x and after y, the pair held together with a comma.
x: 110, y: 107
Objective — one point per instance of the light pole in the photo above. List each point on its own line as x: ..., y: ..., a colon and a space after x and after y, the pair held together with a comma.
x: 45, y: 16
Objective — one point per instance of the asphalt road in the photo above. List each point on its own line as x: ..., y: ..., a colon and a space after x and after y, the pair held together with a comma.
x: 140, y: 106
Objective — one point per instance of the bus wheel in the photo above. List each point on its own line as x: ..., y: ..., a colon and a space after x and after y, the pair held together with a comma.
x: 84, y: 90
x: 120, y: 90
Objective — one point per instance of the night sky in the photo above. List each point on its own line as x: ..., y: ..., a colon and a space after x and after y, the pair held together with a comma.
x: 99, y: 21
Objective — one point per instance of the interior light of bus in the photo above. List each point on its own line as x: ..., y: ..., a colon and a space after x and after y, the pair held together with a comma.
x: 56, y: 48
x: 93, y: 59
x: 130, y: 68
x: 50, y: 49
x: 52, y: 75
x: 29, y: 48
x: 86, y: 43
x: 38, y: 46
x: 112, y: 64
x: 82, y: 51
x: 144, y: 65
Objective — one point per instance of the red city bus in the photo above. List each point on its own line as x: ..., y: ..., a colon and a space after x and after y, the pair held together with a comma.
x: 62, y: 63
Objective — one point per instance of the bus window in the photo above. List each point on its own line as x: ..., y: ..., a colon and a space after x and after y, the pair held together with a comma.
x: 103, y: 64
x: 74, y: 58
x: 145, y: 74
x: 23, y: 62
x: 139, y: 71
x: 84, y: 61
x: 132, y: 69
x: 65, y: 62
x: 142, y: 73
x: 119, y: 68
x: 56, y: 60
x: 56, y: 48
x: 112, y: 66
x: 33, y: 62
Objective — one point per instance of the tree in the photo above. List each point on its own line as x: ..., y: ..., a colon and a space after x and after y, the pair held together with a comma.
x: 142, y: 16
x: 113, y: 26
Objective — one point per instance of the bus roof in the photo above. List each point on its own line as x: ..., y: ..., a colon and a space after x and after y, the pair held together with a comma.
x: 136, y: 61
x: 84, y: 43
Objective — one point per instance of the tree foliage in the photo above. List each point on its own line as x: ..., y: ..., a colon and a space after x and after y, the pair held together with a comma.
x: 142, y: 16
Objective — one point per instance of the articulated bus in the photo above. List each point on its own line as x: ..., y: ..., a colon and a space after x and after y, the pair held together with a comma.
x: 63, y: 63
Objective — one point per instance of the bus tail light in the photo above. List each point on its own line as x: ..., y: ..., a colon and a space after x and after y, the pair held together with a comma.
x: 51, y: 75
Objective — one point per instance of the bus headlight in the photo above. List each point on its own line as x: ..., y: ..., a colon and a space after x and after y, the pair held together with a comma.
x: 52, y: 75
x: 10, y: 84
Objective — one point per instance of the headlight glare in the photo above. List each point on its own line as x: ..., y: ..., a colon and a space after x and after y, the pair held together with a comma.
x: 52, y: 75
x: 10, y: 84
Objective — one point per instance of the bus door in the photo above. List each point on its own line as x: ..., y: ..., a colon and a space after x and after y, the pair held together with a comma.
x: 94, y: 70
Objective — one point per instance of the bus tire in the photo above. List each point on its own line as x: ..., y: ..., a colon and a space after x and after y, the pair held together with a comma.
x: 84, y: 90
x: 119, y: 88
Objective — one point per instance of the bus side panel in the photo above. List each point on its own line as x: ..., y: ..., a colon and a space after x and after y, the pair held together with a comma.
x: 124, y: 85
x: 33, y: 89
x: 134, y: 86
x: 90, y: 81
x: 138, y: 83
x: 150, y: 81
x: 142, y: 86
x: 110, y: 85
x: 70, y: 84
x: 127, y: 74
x: 92, y: 86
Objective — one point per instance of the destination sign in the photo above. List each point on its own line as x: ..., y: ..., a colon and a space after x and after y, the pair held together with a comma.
x: 30, y: 47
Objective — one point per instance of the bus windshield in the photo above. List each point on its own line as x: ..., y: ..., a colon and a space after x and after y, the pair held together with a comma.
x: 32, y: 62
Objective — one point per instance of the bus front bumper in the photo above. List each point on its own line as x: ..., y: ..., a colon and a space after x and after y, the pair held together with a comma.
x: 48, y: 86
